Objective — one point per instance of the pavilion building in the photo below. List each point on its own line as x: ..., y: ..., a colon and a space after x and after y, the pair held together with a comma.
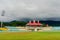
x: 34, y: 25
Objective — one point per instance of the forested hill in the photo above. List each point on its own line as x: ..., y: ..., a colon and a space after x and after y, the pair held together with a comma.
x: 23, y: 23
x: 51, y: 23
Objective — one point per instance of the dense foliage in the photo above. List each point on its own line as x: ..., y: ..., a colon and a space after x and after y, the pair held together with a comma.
x: 23, y: 23
x: 51, y: 23
x: 14, y: 23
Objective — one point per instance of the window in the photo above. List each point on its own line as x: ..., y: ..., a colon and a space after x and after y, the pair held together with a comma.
x: 31, y: 21
x: 36, y: 21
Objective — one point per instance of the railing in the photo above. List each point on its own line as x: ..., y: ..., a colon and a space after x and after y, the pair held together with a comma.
x: 14, y: 29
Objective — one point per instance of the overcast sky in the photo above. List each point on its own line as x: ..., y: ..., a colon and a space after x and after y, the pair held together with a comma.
x: 16, y: 9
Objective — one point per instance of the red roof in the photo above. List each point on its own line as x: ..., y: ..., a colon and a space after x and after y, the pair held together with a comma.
x: 34, y: 23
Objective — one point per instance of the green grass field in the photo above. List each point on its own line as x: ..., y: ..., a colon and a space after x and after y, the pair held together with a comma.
x: 30, y: 36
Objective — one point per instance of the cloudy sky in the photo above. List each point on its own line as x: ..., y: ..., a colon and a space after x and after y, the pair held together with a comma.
x: 16, y: 9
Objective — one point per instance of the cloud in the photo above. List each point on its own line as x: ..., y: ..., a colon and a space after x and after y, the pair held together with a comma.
x: 17, y: 9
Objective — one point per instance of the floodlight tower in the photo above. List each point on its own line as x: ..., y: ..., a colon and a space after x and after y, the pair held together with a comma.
x: 3, y: 12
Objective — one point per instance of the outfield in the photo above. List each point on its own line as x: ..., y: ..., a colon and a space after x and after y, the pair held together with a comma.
x: 30, y: 36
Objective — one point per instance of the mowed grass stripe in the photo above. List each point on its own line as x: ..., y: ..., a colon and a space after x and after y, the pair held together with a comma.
x: 30, y: 36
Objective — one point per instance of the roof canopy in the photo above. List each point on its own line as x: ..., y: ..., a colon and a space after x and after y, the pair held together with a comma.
x: 34, y: 23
